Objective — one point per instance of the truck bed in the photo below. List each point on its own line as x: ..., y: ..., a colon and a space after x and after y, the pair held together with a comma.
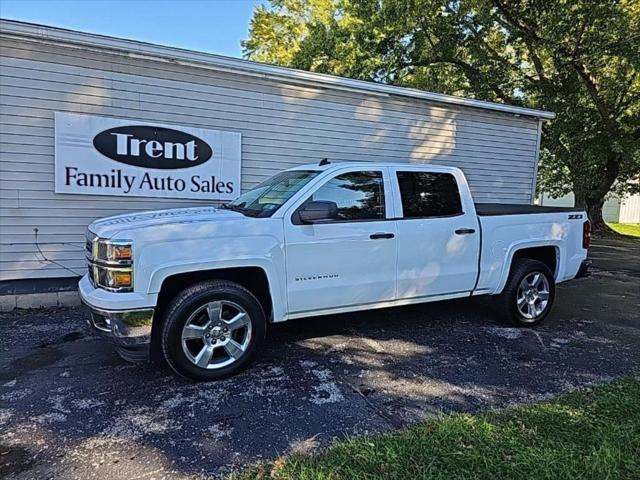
x: 491, y: 209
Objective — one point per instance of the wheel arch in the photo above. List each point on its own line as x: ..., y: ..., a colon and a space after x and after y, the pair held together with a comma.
x: 253, y: 278
x: 547, y: 253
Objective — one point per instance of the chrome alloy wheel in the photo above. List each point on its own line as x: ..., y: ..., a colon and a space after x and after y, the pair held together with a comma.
x: 533, y: 295
x: 216, y: 334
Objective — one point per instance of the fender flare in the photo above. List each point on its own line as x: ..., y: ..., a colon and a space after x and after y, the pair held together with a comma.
x: 522, y: 245
x: 160, y: 274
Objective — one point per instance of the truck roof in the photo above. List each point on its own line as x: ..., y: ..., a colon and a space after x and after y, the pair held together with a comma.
x: 336, y: 165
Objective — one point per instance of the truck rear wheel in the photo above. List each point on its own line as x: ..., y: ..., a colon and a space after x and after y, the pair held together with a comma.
x: 529, y: 293
x: 212, y: 330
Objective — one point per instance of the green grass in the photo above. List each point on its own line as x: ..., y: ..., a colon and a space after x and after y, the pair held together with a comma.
x: 593, y: 434
x: 631, y: 229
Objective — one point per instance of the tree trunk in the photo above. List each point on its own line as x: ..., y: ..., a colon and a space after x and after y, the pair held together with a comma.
x: 593, y: 207
x: 594, y: 211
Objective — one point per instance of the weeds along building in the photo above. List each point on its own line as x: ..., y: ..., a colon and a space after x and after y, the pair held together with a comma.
x: 90, y: 124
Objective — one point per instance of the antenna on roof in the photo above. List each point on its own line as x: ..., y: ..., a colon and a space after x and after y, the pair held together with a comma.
x: 323, y: 162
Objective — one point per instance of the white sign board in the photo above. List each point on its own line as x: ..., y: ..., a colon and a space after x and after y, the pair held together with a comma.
x: 109, y: 156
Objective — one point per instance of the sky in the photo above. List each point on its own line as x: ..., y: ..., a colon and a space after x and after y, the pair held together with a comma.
x: 214, y: 26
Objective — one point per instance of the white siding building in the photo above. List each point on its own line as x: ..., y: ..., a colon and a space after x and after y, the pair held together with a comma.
x: 614, y: 210
x: 285, y: 118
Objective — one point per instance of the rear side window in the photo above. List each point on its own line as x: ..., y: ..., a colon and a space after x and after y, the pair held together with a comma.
x: 359, y: 195
x: 429, y: 194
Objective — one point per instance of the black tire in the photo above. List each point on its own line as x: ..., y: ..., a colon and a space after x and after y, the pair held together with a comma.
x: 507, y: 303
x: 193, y: 301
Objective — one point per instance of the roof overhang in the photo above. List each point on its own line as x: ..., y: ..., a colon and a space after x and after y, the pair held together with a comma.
x: 137, y: 49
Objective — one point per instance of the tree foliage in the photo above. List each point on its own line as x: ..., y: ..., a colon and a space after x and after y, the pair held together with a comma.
x: 577, y: 58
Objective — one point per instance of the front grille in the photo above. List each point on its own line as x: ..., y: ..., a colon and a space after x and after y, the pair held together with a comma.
x: 90, y: 240
x: 92, y: 275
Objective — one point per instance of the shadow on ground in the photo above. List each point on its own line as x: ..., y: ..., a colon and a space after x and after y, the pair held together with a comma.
x: 70, y: 408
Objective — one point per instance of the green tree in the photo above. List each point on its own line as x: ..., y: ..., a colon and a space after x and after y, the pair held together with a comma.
x: 578, y: 58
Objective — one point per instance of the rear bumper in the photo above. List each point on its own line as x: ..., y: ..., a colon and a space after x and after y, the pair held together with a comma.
x: 583, y: 271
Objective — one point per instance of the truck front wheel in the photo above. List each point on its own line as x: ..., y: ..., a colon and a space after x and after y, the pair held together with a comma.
x: 212, y: 330
x: 529, y: 293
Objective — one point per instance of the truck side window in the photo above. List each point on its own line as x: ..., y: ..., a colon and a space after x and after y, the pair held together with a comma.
x: 429, y: 194
x: 359, y: 195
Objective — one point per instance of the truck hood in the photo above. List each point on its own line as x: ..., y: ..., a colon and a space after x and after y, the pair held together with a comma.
x: 110, y: 226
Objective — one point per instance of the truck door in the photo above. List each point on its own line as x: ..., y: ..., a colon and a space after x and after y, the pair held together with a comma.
x: 351, y: 259
x: 438, y: 234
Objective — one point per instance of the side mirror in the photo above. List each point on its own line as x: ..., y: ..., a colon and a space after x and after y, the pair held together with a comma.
x: 318, y: 211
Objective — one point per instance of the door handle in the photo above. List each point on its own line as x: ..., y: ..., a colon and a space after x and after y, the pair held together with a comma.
x: 379, y: 236
x: 465, y: 231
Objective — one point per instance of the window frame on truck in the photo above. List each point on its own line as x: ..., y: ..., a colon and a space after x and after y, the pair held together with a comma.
x: 442, y: 175
x: 388, y: 192
x: 458, y: 175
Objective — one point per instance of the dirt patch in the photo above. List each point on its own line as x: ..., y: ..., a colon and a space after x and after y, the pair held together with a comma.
x: 38, y: 358
x: 13, y: 460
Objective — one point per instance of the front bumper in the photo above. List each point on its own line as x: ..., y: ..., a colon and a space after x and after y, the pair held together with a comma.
x: 124, y: 319
x: 129, y: 330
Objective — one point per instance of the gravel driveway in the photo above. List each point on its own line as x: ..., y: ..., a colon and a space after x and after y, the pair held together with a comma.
x: 70, y: 408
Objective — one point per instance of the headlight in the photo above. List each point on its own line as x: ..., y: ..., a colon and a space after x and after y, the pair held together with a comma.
x: 113, y: 252
x: 119, y: 251
x: 111, y: 264
x: 118, y: 278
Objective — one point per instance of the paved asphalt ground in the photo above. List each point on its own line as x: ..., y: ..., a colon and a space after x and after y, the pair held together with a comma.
x: 70, y: 408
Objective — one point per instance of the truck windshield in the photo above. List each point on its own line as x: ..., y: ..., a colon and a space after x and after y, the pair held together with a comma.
x: 267, y: 197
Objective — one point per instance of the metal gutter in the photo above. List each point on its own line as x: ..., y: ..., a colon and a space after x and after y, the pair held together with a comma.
x: 137, y: 49
x: 534, y: 182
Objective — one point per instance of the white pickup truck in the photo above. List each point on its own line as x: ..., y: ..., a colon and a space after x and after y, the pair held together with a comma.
x: 198, y: 286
